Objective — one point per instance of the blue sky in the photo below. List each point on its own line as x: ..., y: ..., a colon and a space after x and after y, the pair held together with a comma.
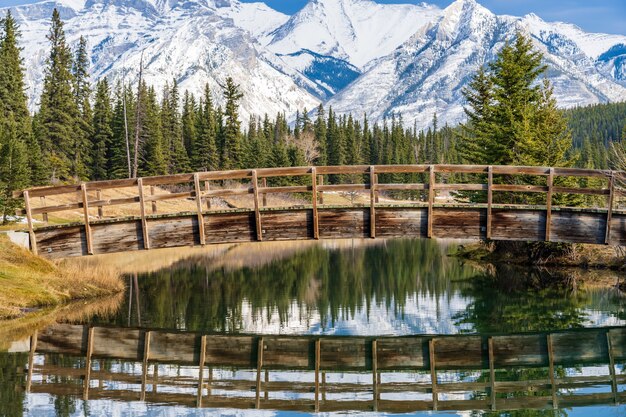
x: 592, y: 15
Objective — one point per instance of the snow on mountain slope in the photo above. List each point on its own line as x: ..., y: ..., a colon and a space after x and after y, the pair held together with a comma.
x: 426, y: 75
x: 194, y: 42
x: 357, y: 31
x: 358, y: 55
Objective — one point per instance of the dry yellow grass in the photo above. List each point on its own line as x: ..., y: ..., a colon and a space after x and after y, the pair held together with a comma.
x: 28, y: 281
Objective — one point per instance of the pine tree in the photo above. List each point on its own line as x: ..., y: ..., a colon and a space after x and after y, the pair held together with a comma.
x: 320, y: 137
x: 14, y: 170
x: 84, y: 131
x: 58, y: 111
x: 231, y: 153
x: 205, y: 154
x: 118, y: 159
x: 171, y: 128
x: 102, y: 136
x: 189, y: 122
x: 153, y: 150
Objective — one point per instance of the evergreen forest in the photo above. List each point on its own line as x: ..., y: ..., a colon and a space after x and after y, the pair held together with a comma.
x: 95, y: 131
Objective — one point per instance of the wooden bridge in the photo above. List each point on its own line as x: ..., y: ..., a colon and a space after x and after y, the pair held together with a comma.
x: 331, y: 373
x: 417, y: 201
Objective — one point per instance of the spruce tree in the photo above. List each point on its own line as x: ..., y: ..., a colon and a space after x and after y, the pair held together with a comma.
x: 231, y: 153
x: 189, y: 122
x: 102, y: 137
x: 205, y: 154
x: 171, y: 129
x: 118, y: 159
x: 13, y: 99
x: 58, y: 111
x: 154, y: 148
x: 81, y: 155
x: 14, y: 170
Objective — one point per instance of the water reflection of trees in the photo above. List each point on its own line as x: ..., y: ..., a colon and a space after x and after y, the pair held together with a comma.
x: 333, y: 283
x: 512, y: 299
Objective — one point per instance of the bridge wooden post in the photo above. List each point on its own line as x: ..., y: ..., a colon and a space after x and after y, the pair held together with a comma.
x: 549, y: 204
x: 609, y: 347
x: 43, y: 204
x: 207, y: 188
x: 83, y: 192
x: 318, y: 348
x: 259, y: 366
x: 372, y: 202
x: 201, y: 231
x: 431, y: 199
x: 153, y: 203
x: 316, y: 219
x: 489, y: 201
x: 201, y: 370
x: 144, y: 368
x: 29, y: 219
x: 553, y: 386
x: 142, y: 209
x: 609, y: 213
x: 31, y: 361
x: 86, y: 382
x: 320, y: 181
x: 257, y: 212
x: 375, y: 373
x: 492, y: 375
x: 433, y: 373
x: 264, y: 185
x: 100, y: 208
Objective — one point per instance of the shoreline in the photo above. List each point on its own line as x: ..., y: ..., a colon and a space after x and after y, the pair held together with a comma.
x: 29, y: 283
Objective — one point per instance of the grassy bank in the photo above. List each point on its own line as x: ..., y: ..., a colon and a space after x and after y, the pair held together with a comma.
x: 28, y: 281
x: 545, y: 254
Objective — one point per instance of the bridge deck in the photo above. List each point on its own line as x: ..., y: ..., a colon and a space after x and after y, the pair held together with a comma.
x: 411, y: 209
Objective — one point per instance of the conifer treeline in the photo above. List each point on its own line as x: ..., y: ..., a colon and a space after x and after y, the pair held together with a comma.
x: 102, y: 131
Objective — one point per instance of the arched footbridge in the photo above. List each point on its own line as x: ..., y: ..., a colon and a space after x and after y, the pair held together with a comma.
x: 382, y: 201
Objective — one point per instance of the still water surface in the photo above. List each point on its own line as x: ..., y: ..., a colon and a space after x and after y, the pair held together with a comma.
x: 395, y: 288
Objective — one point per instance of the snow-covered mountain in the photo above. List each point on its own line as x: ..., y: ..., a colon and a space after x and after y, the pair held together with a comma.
x: 356, y: 55
x: 427, y: 73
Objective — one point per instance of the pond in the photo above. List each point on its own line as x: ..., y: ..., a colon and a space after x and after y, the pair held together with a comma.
x: 350, y: 310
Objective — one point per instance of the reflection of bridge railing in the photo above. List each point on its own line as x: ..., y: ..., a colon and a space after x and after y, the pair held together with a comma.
x: 310, y: 372
x: 422, y: 214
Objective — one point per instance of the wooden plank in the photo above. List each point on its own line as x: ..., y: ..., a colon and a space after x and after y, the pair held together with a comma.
x: 83, y: 191
x: 316, y: 219
x: 168, y: 179
x: 549, y: 204
x: 29, y: 219
x: 377, y: 189
x: 86, y: 382
x: 283, y: 171
x: 263, y: 187
x: 320, y: 181
x: 259, y: 366
x: 489, y: 200
x: 581, y: 191
x: 257, y: 213
x: 144, y: 368
x: 609, y: 213
x: 609, y: 346
x: 144, y: 222
x: 201, y: 369
x: 169, y: 196
x: 152, y: 199
x: 431, y: 200
x: 520, y: 188
x: 31, y: 360
x: 372, y: 203
x: 461, y: 187
x: 553, y: 386
x: 433, y: 372
x: 400, y: 187
x: 318, y: 348
x: 492, y: 373
x: 100, y: 208
x: 343, y: 187
x: 201, y: 231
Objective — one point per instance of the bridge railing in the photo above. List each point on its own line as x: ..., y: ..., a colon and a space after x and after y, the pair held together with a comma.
x: 197, y: 190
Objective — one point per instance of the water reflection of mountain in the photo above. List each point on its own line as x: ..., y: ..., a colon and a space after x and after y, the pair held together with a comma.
x: 398, y: 287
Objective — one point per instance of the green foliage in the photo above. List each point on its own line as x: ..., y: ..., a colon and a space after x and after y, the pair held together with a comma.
x: 231, y: 152
x: 58, y: 112
x: 14, y: 170
x: 102, y: 135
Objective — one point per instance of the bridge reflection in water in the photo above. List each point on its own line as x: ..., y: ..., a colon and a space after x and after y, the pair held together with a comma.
x: 324, y: 373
